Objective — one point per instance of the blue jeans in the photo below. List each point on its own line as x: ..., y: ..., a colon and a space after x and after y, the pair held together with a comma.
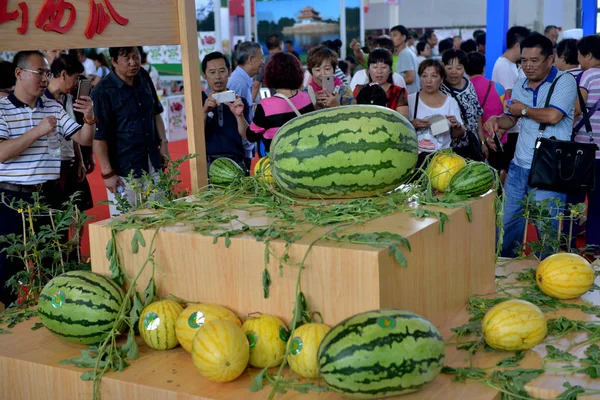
x: 515, y: 190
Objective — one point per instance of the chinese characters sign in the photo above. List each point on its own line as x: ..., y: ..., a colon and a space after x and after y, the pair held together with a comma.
x: 59, y: 16
x: 51, y: 22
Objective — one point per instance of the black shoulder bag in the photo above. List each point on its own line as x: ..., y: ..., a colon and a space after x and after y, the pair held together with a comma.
x: 473, y: 148
x: 562, y: 165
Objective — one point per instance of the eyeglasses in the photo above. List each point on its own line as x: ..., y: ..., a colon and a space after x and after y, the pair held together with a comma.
x: 47, y: 74
x: 534, y: 64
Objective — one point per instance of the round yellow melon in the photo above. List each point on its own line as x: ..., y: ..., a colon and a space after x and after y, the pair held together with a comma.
x: 267, y: 336
x: 262, y: 171
x: 442, y: 168
x: 304, y: 347
x: 565, y: 276
x: 220, y: 350
x: 196, y: 315
x: 157, y: 324
x: 514, y: 325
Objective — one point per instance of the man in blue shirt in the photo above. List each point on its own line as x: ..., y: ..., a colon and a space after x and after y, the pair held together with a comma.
x: 249, y: 57
x: 225, y: 124
x: 130, y: 133
x: 528, y: 104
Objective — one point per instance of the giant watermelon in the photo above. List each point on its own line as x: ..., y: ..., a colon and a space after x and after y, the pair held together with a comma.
x: 344, y: 152
x: 381, y: 353
x: 80, y: 306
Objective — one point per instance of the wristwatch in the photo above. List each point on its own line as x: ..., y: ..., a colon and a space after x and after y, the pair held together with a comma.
x: 524, y: 112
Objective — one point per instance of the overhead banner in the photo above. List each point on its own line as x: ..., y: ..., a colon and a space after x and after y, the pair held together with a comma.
x: 56, y: 24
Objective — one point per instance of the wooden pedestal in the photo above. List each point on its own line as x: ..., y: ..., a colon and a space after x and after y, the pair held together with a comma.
x: 340, y: 279
x: 30, y: 369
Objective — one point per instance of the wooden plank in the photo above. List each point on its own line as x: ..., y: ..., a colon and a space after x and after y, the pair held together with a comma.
x: 186, y: 10
x: 151, y: 22
x: 29, y: 369
x: 340, y: 279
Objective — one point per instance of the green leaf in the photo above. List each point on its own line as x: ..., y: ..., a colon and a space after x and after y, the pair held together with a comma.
x: 257, y: 381
x: 110, y: 248
x: 555, y: 354
x: 266, y: 282
x: 88, y: 376
x: 137, y: 239
x: 150, y: 292
x: 513, y: 361
x: 136, y: 310
x: 571, y: 392
x: 469, y: 212
x: 399, y: 256
x: 37, y: 326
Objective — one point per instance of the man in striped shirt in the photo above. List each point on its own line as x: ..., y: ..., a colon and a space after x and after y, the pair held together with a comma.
x: 30, y: 148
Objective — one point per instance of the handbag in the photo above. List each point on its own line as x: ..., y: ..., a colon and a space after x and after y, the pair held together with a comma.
x: 560, y: 165
x: 472, y: 150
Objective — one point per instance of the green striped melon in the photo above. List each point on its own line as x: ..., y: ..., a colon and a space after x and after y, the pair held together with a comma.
x: 344, y: 152
x: 381, y: 353
x: 80, y: 306
x: 475, y: 179
x: 223, y: 171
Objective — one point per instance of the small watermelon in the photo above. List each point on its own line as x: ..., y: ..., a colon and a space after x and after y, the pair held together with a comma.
x: 157, y: 324
x: 263, y: 172
x: 267, y: 336
x: 220, y: 350
x: 442, y: 168
x: 196, y: 315
x: 224, y: 171
x: 381, y: 353
x: 304, y: 347
x: 80, y: 306
x: 473, y: 180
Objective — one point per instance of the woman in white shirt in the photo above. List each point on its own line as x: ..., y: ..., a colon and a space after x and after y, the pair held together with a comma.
x: 434, y: 115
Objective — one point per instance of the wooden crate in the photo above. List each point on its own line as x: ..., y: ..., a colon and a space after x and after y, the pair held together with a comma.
x: 340, y: 279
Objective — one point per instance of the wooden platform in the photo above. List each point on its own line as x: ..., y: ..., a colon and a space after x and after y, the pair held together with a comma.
x: 340, y: 279
x: 29, y: 369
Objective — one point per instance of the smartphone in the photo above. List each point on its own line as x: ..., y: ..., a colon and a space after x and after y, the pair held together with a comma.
x: 328, y: 83
x: 498, y: 142
x: 84, y: 87
x: 227, y: 96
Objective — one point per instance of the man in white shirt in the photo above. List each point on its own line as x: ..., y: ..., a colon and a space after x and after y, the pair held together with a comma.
x: 408, y: 65
x: 505, y: 70
x: 88, y: 64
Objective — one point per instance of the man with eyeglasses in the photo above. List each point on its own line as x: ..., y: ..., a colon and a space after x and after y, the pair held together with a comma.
x: 30, y: 126
x: 528, y: 105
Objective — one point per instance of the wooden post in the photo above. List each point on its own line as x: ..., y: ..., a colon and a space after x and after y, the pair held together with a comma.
x: 190, y: 62
x: 496, y: 28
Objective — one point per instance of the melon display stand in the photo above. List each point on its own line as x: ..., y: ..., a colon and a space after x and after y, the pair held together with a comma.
x: 340, y: 279
x: 30, y: 369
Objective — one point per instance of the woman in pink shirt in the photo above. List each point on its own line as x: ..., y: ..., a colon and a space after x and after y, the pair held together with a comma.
x: 492, y: 97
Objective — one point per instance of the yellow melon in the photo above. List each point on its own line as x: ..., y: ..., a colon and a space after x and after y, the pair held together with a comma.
x: 442, y: 168
x: 157, y: 324
x: 304, y: 347
x: 565, y: 276
x: 220, y: 350
x: 267, y: 336
x: 514, y: 325
x: 263, y: 172
x: 196, y: 315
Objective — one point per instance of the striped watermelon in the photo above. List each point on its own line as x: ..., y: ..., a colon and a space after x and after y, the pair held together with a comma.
x: 381, y: 353
x: 157, y: 324
x: 344, y: 152
x: 475, y: 179
x: 80, y: 306
x: 565, y: 276
x: 223, y: 171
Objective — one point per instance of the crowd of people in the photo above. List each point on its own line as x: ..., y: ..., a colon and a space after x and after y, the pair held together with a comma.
x: 46, y: 131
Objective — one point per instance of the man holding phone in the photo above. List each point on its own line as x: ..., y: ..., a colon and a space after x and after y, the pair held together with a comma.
x: 225, y: 114
x: 29, y: 124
